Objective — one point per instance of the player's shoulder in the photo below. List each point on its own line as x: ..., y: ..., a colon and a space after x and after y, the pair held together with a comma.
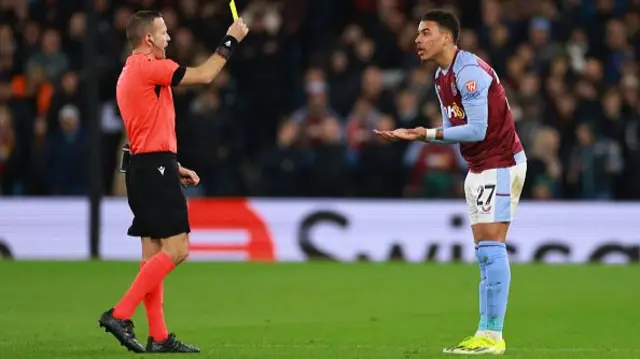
x: 471, y: 68
x: 466, y: 59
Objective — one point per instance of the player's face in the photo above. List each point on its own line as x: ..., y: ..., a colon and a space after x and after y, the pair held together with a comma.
x: 159, y: 38
x: 429, y: 41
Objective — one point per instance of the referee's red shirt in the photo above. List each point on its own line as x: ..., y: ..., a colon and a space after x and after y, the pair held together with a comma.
x: 145, y: 100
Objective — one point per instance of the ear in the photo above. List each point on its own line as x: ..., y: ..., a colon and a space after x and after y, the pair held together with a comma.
x: 148, y: 39
x: 448, y: 36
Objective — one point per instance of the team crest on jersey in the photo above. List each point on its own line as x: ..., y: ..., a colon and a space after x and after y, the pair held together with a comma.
x: 454, y: 90
x: 471, y: 86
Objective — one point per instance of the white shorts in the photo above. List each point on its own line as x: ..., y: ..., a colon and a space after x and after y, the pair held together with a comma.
x: 493, y: 195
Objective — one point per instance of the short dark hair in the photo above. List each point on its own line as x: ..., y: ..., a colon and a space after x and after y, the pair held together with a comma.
x: 445, y: 19
x: 138, y: 23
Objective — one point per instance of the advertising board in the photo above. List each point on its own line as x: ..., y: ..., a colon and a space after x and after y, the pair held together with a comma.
x: 44, y: 229
x: 335, y: 230
x: 275, y: 230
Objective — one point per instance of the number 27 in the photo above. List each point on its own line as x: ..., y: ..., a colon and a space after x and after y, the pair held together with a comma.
x: 488, y: 187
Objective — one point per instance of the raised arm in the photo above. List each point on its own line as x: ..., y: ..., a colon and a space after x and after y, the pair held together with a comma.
x: 169, y: 73
x: 206, y: 72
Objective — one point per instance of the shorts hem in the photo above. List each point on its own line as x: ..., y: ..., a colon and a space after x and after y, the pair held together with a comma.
x: 493, y: 221
x: 157, y: 235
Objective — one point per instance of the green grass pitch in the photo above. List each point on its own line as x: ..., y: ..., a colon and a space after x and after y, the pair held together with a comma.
x: 322, y: 310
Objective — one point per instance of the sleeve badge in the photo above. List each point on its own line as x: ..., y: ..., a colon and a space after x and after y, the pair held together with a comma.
x: 471, y: 86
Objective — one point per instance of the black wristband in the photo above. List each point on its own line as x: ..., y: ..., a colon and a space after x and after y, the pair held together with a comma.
x: 227, y: 46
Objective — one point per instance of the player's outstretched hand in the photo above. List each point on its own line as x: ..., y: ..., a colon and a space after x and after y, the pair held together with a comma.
x: 238, y: 30
x: 410, y: 134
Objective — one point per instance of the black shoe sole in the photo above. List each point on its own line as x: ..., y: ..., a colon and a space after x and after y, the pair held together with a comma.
x: 160, y: 351
x: 123, y: 342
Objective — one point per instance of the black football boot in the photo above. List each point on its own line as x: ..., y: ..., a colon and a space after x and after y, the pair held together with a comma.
x: 122, y: 329
x: 170, y: 345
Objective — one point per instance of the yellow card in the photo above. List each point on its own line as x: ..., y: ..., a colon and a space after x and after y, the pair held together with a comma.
x: 234, y: 12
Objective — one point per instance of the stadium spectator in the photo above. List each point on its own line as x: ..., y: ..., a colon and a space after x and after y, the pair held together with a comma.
x: 291, y: 116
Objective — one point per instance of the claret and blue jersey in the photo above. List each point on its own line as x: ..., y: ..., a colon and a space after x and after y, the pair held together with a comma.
x: 476, y: 114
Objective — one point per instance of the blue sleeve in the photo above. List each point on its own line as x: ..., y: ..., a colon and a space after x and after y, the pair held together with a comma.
x: 473, y: 84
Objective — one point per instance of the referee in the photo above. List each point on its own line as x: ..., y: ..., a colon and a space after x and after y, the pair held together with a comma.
x: 154, y: 178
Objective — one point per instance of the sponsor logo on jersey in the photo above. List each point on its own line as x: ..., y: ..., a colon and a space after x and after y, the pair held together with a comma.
x: 454, y: 111
x: 471, y: 86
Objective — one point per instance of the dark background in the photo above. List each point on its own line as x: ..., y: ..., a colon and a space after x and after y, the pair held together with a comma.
x: 292, y: 114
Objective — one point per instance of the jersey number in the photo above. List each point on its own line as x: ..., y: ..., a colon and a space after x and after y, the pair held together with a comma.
x: 488, y: 187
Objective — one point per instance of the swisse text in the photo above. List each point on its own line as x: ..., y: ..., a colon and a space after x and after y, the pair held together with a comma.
x: 382, y: 244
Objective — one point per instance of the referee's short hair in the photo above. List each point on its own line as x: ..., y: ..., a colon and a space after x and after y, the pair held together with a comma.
x: 138, y: 25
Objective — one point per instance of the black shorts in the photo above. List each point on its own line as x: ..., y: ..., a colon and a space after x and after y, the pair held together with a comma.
x: 155, y: 196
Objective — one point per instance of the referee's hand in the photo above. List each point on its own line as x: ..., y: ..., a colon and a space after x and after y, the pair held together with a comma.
x: 238, y: 30
x: 188, y: 177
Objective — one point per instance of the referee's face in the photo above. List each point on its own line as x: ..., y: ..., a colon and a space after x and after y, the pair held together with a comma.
x: 159, y: 38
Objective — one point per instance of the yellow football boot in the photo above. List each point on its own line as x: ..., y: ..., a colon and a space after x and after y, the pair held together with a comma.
x: 478, y: 346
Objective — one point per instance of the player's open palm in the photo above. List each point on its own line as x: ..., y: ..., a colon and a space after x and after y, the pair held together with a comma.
x: 411, y: 134
x: 238, y: 30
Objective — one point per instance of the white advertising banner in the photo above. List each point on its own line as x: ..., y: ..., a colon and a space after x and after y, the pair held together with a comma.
x: 275, y: 230
x: 221, y: 230
x: 44, y: 229
x: 301, y: 230
x: 439, y: 231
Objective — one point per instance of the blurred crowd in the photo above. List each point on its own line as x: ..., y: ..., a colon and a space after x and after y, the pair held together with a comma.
x: 292, y: 114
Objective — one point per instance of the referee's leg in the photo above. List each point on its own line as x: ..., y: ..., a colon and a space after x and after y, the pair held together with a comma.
x: 160, y: 340
x: 159, y: 258
x: 153, y: 301
x: 161, y: 220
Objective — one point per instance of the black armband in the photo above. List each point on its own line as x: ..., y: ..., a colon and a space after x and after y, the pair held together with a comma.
x: 227, y: 46
x: 178, y: 75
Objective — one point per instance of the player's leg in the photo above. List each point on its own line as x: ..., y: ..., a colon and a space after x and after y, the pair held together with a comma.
x: 494, y: 206
x: 471, y: 183
x: 496, y: 199
x: 471, y: 187
x: 153, y: 301
x: 492, y: 255
x: 482, y: 295
x: 490, y: 235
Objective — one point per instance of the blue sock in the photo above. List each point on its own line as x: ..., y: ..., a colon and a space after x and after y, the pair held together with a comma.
x: 496, y: 261
x: 483, y: 293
